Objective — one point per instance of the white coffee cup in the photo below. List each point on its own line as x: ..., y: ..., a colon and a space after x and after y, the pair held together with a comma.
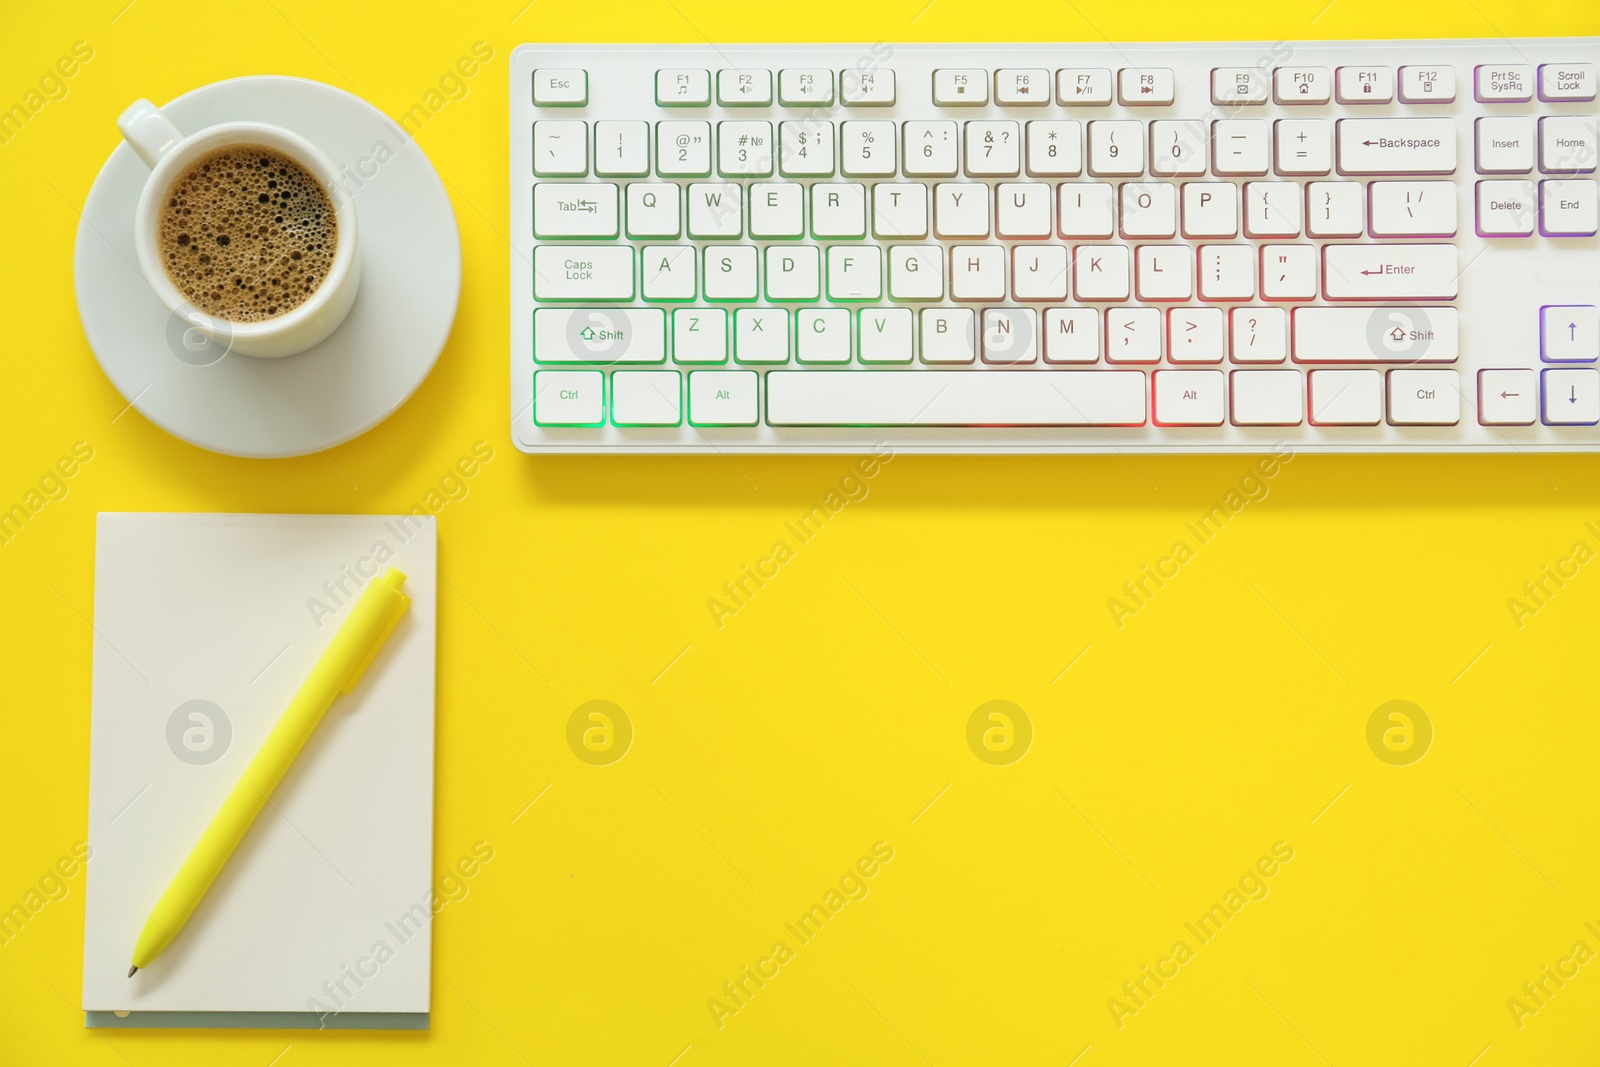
x: 168, y: 152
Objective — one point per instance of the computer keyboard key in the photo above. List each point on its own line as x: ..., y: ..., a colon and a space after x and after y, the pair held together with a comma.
x: 1571, y: 397
x: 583, y: 272
x: 1376, y: 334
x: 1239, y: 86
x: 560, y: 88
x: 744, y: 88
x: 994, y: 149
x: 723, y: 398
x: 1022, y: 87
x: 683, y: 88
x: 884, y: 335
x: 1397, y: 146
x: 956, y: 398
x: 646, y: 398
x: 1427, y: 84
x: 807, y: 87
x: 1302, y: 85
x: 761, y: 335
x: 683, y: 148
x: 744, y: 149
x: 1412, y: 209
x: 867, y: 149
x: 600, y: 336
x: 1009, y: 335
x: 867, y: 88
x: 1145, y: 87
x: 1567, y: 144
x: 1336, y: 209
x: 716, y: 210
x: 961, y: 87
x: 574, y: 209
x: 1424, y: 398
x: 822, y: 335
x: 561, y: 148
x: 1267, y: 397
x: 653, y: 210
x: 1507, y: 208
x: 1055, y: 148
x: 1508, y: 397
x: 1346, y: 397
x: 1196, y: 335
x: 1259, y: 335
x: 1504, y: 144
x: 931, y: 148
x: 1071, y: 335
x: 1116, y: 148
x: 1569, y: 207
x: 569, y: 398
x: 948, y: 335
x: 1303, y: 146
x: 1241, y: 148
x: 1567, y: 81
x: 1083, y: 86
x: 1569, y: 333
x: 1364, y: 85
x: 1390, y: 272
x: 622, y: 149
x: 1189, y: 397
x: 699, y: 335
x: 1501, y: 83
x: 805, y: 148
x: 1133, y: 335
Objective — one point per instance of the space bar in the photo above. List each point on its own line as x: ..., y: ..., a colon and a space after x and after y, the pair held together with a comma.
x: 956, y: 398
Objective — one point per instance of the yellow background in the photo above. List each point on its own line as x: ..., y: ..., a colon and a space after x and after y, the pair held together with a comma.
x: 827, y: 714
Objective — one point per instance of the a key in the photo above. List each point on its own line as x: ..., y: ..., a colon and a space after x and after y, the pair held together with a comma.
x: 867, y: 88
x: 916, y: 272
x: 1501, y: 83
x: 1505, y: 144
x: 961, y: 210
x: 1424, y: 398
x: 1412, y: 209
x: 761, y: 335
x: 1569, y: 333
x: 1116, y: 147
x: 667, y: 272
x: 1390, y: 272
x: 947, y: 335
x: 1189, y: 397
x: 1178, y: 148
x: 805, y: 148
x: 1149, y: 209
x: 960, y: 87
x: 805, y: 88
x: 930, y: 149
x: 700, y: 335
x: 1083, y: 86
x: 900, y: 211
x: 1010, y: 336
x: 822, y: 335
x: 622, y: 149
x: 956, y: 398
x: 1133, y: 335
x: 1507, y: 208
x: 599, y: 335
x: 1567, y: 144
x: 723, y: 397
x: 646, y: 398
x: 716, y: 210
x: 1397, y: 146
x: 1145, y: 86
x: 744, y: 88
x: 1508, y: 397
x: 1346, y: 397
x: 744, y: 149
x: 1022, y: 88
x: 1024, y: 209
x: 1071, y: 335
x: 855, y: 272
x: 994, y: 149
x: 574, y: 209
x: 1086, y: 210
x: 1571, y: 397
x: 569, y: 398
x: 1376, y: 335
x: 1267, y: 397
x: 794, y: 273
x: 1289, y: 272
x: 560, y: 88
x: 1364, y: 85
x: 683, y: 149
x: 653, y: 210
x: 777, y: 210
x: 1196, y: 335
x: 1258, y: 335
x: 583, y: 272
x: 1238, y: 86
x: 1039, y: 272
x: 730, y: 273
x: 977, y: 272
x: 1567, y: 81
x: 1227, y: 272
x: 1569, y: 207
x: 1164, y: 272
x: 838, y: 210
x: 884, y: 335
x: 1055, y: 148
x: 1427, y: 85
x: 1302, y: 85
x: 1241, y: 147
x: 1272, y: 209
x: 1335, y: 209
x: 867, y: 149
x: 683, y: 88
x: 1304, y: 146
x: 1100, y: 272
x: 561, y: 148
x: 1210, y: 209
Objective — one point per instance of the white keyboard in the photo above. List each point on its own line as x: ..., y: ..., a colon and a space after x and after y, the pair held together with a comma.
x: 1219, y: 247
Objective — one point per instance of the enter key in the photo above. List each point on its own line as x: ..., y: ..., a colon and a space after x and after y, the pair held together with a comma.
x: 1390, y: 272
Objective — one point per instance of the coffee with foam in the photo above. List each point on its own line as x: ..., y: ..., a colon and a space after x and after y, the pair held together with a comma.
x: 247, y: 234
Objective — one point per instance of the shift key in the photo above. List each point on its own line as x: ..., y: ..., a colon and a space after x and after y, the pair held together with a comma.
x: 1389, y: 272
x: 582, y: 272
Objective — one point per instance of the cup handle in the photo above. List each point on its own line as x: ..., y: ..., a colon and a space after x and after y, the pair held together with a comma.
x: 145, y: 128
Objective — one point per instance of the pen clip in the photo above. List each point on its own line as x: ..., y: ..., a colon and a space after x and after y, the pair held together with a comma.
x: 396, y: 609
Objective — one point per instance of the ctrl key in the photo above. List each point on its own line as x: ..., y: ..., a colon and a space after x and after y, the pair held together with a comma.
x: 569, y: 398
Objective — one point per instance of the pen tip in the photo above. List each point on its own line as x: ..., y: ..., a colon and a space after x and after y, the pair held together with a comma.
x: 131, y: 970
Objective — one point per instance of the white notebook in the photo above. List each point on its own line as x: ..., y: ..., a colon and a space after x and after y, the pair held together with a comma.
x: 205, y: 627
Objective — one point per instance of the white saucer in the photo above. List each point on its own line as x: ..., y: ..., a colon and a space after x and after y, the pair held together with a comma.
x: 410, y: 284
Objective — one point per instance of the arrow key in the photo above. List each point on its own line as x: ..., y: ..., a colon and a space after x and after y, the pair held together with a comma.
x: 1507, y: 397
x: 1569, y: 333
x: 1571, y: 397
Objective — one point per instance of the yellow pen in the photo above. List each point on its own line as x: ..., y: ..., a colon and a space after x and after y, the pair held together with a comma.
x: 340, y: 668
